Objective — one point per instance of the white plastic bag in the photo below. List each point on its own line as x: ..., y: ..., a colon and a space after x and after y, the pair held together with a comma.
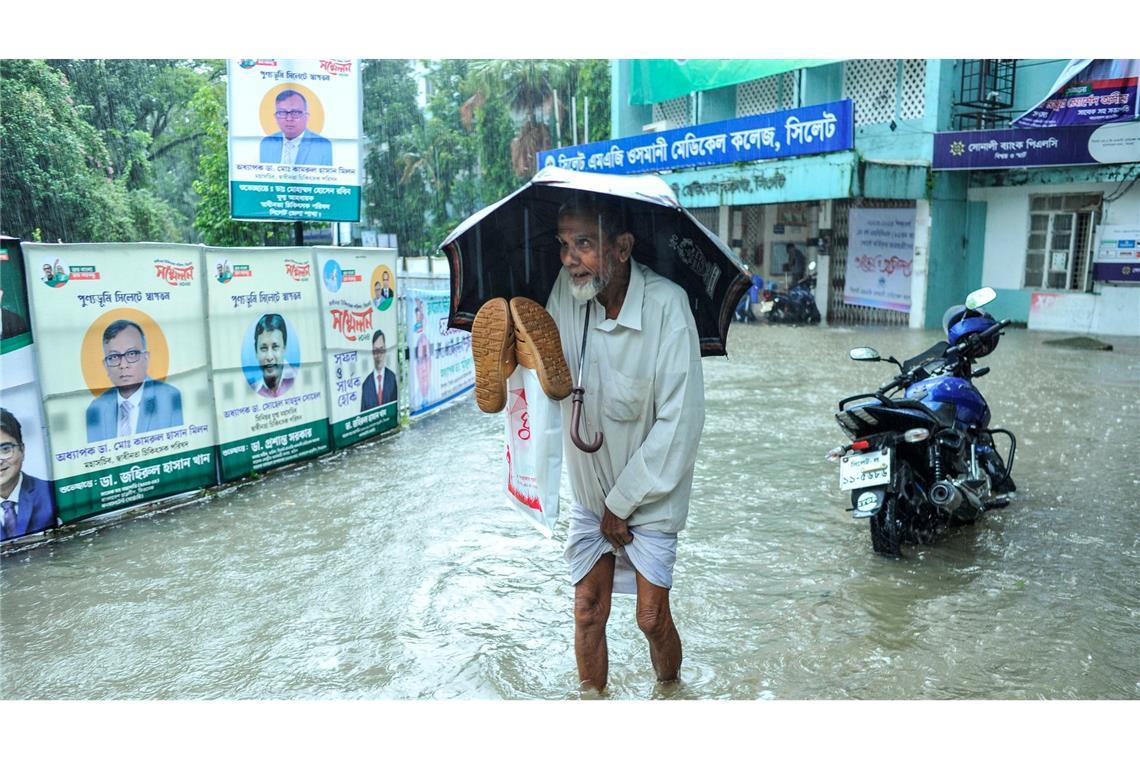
x: 534, y: 450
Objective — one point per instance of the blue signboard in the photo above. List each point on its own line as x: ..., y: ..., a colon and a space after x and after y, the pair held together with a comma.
x: 1051, y: 146
x: 796, y: 132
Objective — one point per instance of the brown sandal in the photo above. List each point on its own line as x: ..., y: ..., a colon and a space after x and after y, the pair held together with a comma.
x: 493, y: 349
x: 539, y: 347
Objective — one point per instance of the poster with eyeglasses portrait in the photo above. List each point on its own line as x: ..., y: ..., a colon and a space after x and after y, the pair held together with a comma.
x: 358, y: 322
x: 265, y: 352
x: 27, y: 505
x: 294, y: 139
x: 124, y: 373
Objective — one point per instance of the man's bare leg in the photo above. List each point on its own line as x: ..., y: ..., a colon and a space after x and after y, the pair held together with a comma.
x: 656, y: 622
x: 592, y: 598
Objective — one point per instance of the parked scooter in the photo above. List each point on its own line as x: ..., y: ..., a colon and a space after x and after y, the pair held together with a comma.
x: 920, y: 463
x: 797, y: 306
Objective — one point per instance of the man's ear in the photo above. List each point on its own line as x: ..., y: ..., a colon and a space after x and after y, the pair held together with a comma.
x: 624, y: 246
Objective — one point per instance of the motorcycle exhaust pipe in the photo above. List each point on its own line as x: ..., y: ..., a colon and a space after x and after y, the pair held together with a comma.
x: 945, y: 495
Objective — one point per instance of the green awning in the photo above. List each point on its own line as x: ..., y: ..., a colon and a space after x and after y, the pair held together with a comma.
x: 656, y: 79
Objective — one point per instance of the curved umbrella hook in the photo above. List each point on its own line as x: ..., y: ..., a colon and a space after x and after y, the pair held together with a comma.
x: 576, y: 420
x: 576, y: 401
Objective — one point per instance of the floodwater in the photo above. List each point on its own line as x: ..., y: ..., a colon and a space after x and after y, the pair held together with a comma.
x: 394, y: 570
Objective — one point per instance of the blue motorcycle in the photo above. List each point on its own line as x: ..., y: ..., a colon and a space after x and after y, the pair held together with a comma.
x: 924, y: 461
x: 797, y: 306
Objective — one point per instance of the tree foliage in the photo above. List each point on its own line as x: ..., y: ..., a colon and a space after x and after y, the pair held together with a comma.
x: 131, y: 150
x: 212, y: 214
x: 90, y: 148
x: 395, y: 199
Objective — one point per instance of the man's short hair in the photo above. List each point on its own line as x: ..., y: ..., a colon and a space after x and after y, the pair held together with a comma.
x: 615, y: 218
x: 269, y: 323
x: 118, y: 326
x: 288, y: 94
x: 11, y: 426
x: 379, y: 334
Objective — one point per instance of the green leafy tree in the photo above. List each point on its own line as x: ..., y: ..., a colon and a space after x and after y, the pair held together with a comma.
x: 526, y: 86
x: 56, y: 169
x: 494, y: 132
x: 139, y: 109
x: 593, y: 84
x: 396, y: 197
x: 212, y: 219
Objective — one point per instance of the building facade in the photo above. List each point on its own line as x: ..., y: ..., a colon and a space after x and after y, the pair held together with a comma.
x: 1028, y: 231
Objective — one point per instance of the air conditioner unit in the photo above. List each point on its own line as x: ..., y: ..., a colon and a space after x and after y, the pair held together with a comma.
x: 655, y: 126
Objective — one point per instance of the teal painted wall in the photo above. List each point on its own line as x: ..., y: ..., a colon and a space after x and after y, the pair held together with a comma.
x: 805, y: 178
x: 1034, y: 80
x: 625, y: 120
x: 893, y: 182
x: 975, y: 244
x: 821, y: 84
x: 948, y: 274
x: 717, y: 105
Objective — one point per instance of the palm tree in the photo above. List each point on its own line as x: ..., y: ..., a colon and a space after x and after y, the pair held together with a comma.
x: 527, y: 85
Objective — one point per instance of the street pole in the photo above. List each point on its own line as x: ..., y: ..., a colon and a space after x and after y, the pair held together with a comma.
x: 298, y: 233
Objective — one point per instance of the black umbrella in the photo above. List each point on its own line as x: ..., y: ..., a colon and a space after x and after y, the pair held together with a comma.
x: 509, y: 249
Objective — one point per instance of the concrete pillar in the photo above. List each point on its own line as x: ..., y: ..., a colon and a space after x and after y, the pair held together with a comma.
x: 723, y: 224
x: 823, y: 286
x: 920, y: 267
x: 625, y: 119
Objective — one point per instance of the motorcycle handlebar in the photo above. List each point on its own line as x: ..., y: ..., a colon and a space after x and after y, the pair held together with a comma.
x: 975, y: 340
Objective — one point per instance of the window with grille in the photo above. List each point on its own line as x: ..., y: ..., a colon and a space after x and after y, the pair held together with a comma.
x: 872, y: 84
x: 913, y: 89
x: 766, y: 95
x: 675, y: 112
x: 1059, y: 250
x: 708, y: 217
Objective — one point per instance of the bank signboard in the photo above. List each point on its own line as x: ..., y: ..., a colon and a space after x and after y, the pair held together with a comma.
x: 1050, y: 146
x: 294, y: 139
x: 803, y: 131
x: 1117, y: 256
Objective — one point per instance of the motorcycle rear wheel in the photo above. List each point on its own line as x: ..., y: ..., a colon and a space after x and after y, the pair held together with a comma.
x: 886, y: 529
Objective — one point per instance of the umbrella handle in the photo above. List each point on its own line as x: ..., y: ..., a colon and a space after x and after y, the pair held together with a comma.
x: 576, y: 420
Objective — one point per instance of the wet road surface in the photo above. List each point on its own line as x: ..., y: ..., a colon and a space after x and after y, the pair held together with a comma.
x: 394, y: 570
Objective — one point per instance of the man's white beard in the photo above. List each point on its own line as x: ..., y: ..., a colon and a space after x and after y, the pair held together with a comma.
x: 597, y: 284
x: 583, y: 293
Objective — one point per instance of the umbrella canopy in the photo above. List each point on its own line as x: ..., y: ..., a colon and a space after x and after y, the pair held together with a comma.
x: 509, y: 249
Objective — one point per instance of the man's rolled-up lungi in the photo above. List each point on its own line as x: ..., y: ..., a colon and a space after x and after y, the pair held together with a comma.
x: 651, y: 553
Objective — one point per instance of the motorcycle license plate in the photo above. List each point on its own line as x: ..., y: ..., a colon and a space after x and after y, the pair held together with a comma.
x: 864, y: 470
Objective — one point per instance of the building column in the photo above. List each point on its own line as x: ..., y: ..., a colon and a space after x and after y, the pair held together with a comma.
x: 919, y: 268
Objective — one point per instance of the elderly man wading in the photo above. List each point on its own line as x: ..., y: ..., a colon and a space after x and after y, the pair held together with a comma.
x: 634, y: 333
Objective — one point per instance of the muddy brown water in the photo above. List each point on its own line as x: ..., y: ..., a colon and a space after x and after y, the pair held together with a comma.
x: 393, y: 570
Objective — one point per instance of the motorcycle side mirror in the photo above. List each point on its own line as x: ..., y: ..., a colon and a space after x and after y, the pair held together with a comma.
x: 980, y: 298
x: 864, y: 354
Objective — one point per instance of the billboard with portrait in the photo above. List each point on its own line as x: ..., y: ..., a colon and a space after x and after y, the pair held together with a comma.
x: 294, y: 139
x: 439, y: 358
x: 124, y: 373
x: 358, y: 321
x: 265, y: 350
x: 27, y: 504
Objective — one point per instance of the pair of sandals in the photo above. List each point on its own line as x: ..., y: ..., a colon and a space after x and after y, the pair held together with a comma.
x: 504, y: 336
